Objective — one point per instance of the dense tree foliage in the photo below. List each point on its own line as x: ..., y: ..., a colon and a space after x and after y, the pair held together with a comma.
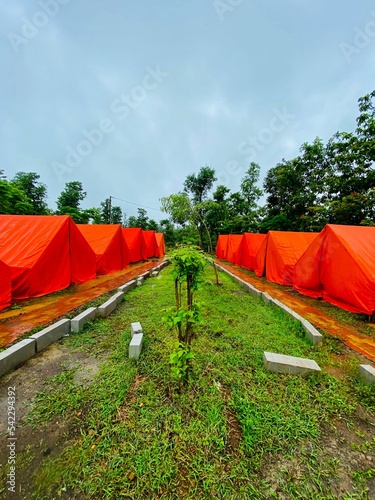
x: 35, y: 191
x: 13, y: 200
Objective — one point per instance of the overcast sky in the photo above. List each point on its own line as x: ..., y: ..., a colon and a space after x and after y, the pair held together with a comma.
x: 129, y: 97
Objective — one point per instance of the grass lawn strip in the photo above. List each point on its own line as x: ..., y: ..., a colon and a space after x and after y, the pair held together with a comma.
x: 237, y: 432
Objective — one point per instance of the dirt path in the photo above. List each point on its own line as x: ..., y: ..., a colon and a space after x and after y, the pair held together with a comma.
x: 361, y: 343
x: 43, y: 310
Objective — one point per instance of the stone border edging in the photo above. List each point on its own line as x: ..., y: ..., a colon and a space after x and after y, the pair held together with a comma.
x: 25, y: 349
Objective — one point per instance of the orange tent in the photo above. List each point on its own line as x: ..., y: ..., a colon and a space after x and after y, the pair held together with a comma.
x: 283, y: 249
x: 339, y: 266
x: 46, y: 253
x: 109, y: 246
x: 260, y: 257
x: 221, y: 246
x: 5, y: 286
x: 250, y: 245
x: 160, y: 243
x: 234, y: 248
x: 135, y: 243
x: 151, y: 245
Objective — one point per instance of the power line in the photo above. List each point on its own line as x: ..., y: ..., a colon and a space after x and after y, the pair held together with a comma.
x: 136, y: 204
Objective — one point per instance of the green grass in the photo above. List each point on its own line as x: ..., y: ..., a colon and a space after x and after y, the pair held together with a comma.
x: 140, y: 437
x: 358, y: 321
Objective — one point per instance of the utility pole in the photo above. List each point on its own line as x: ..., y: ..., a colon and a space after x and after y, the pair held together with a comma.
x: 110, y: 209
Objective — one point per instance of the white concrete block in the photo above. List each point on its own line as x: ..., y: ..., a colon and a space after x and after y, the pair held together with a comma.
x: 135, y: 327
x: 267, y: 299
x: 252, y: 290
x: 126, y: 287
x: 367, y: 373
x: 108, y: 306
x: 77, y: 323
x: 16, y: 354
x: 50, y: 334
x: 312, y: 333
x: 135, y: 346
x: 118, y: 296
x: 289, y: 364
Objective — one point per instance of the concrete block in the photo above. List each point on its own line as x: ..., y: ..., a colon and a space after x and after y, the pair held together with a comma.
x: 50, y: 334
x: 118, y: 296
x: 139, y: 281
x: 108, y: 306
x: 135, y: 328
x: 267, y: 299
x: 135, y: 346
x: 77, y: 323
x: 252, y: 290
x: 289, y: 364
x: 13, y: 356
x: 126, y: 287
x: 154, y: 273
x: 285, y: 308
x: 312, y: 333
x: 367, y: 373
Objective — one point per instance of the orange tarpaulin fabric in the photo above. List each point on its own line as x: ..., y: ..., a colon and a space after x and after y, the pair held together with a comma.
x: 260, y: 257
x: 109, y: 246
x: 150, y: 244
x: 233, y: 248
x: 5, y: 286
x: 45, y: 254
x: 283, y: 251
x: 250, y: 245
x: 339, y: 266
x: 278, y: 254
x: 135, y: 243
x: 160, y: 243
x: 221, y: 246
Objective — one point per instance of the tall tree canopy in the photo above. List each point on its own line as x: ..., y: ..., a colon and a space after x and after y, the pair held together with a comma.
x: 13, y: 200
x: 35, y: 190
x: 68, y: 203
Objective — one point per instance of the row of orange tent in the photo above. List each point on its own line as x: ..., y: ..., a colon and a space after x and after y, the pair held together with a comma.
x: 43, y: 254
x: 336, y: 265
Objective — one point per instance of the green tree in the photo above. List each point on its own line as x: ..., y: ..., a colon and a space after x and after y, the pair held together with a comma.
x: 249, y: 188
x: 116, y: 215
x: 178, y: 206
x: 92, y: 215
x: 152, y: 225
x: 68, y: 203
x: 199, y: 186
x: 35, y: 190
x: 294, y: 187
x: 105, y: 211
x: 132, y: 221
x: 170, y: 236
x: 13, y: 199
x: 142, y: 218
x: 110, y: 214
